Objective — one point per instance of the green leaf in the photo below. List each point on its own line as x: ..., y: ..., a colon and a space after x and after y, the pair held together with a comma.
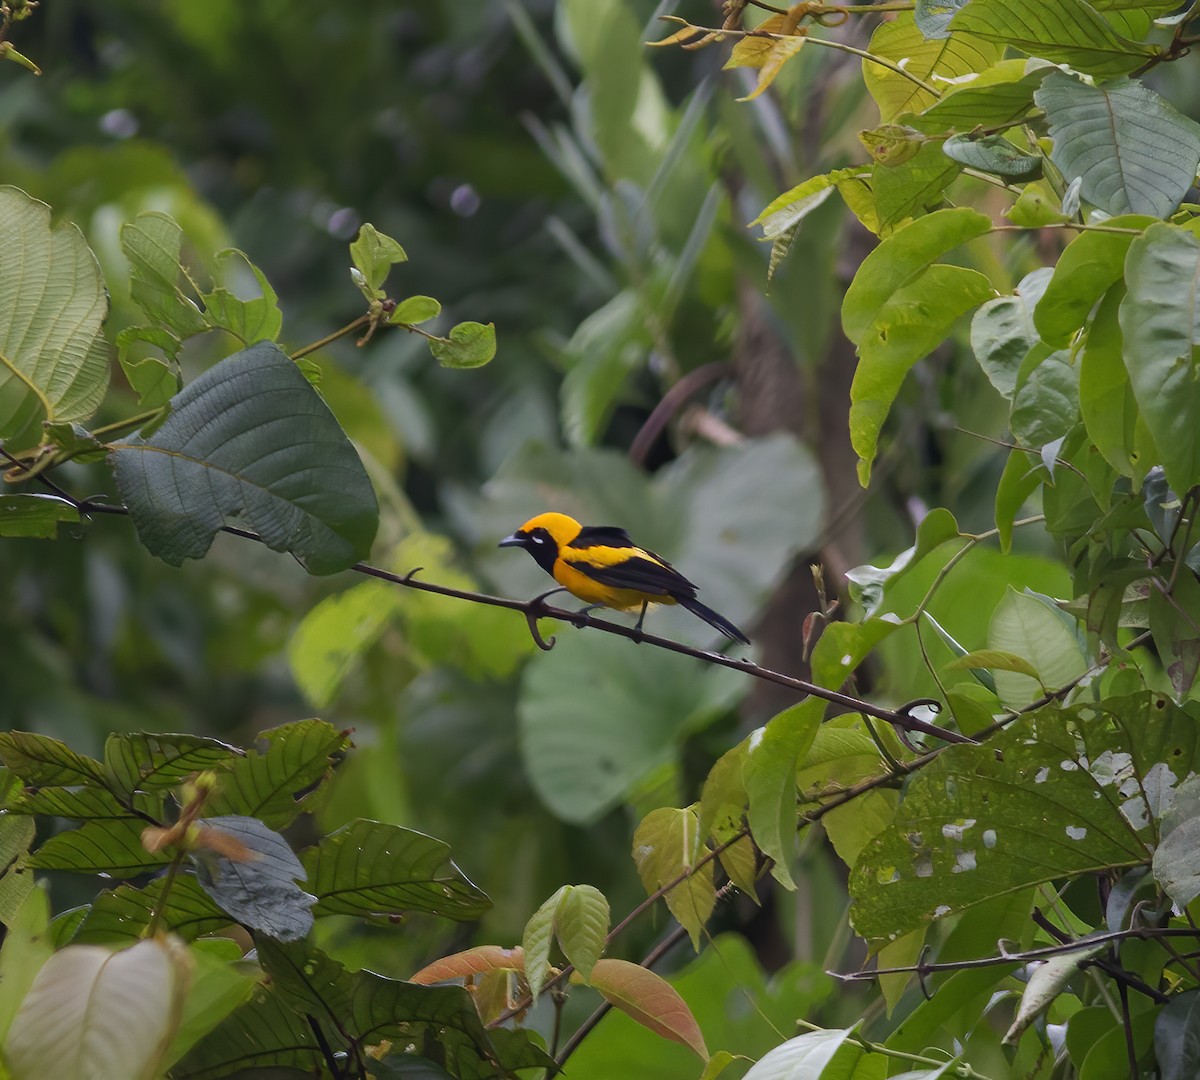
x: 1173, y: 625
x: 650, y: 1000
x: 993, y: 660
x: 1046, y: 404
x: 869, y: 584
x: 1060, y: 793
x: 1176, y: 863
x: 538, y: 939
x: 947, y: 58
x: 249, y: 443
x: 902, y: 258
x: 1106, y: 400
x: 100, y: 847
x: 153, y: 243
x: 1001, y: 95
x: 666, y: 845
x: 468, y: 345
x: 1131, y: 151
x: 257, y: 319
x: 374, y: 254
x: 258, y: 888
x: 1062, y: 31
x: 843, y: 646
x: 91, y: 1012
x: 1003, y: 332
x: 53, y: 357
x: 723, y: 796
x: 906, y: 191
x: 1087, y: 268
x: 1023, y: 473
x: 1177, y: 1037
x: 155, y: 381
x: 27, y: 947
x: 282, y: 780
x: 588, y: 737
x: 911, y: 324
x: 993, y: 154
x: 373, y: 870
x: 123, y: 914
x: 806, y: 1055
x: 40, y: 760
x: 34, y: 515
x: 219, y: 983
x: 414, y: 310
x: 582, y: 924
x: 770, y: 777
x: 1159, y: 318
x: 786, y: 211
x: 141, y: 761
x: 1024, y: 626
x: 80, y: 443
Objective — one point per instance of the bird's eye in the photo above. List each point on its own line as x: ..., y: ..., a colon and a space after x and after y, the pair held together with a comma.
x: 538, y: 539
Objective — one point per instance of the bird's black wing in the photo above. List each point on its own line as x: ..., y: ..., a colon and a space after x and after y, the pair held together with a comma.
x: 636, y: 572
x: 602, y: 536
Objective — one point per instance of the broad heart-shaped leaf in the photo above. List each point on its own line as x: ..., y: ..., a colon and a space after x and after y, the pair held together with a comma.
x: 468, y: 345
x: 53, y: 358
x: 370, y: 869
x: 911, y: 324
x: 100, y: 847
x: 1160, y: 324
x: 1131, y: 151
x: 1060, y: 792
x: 93, y: 1014
x: 279, y: 782
x: 666, y: 845
x: 123, y: 914
x: 141, y: 761
x: 257, y: 319
x: 1089, y: 265
x: 1026, y: 627
x: 770, y: 778
x: 34, y: 515
x: 249, y: 443
x: 258, y: 887
x: 901, y: 40
x: 1063, y: 31
x: 650, y: 1000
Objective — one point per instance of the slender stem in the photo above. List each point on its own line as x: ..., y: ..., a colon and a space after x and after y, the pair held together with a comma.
x: 128, y: 424
x: 163, y: 896
x: 328, y: 339
x: 1079, y: 226
x: 829, y: 43
x: 961, y: 1069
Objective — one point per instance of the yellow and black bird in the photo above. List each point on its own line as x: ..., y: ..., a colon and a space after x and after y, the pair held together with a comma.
x: 602, y: 566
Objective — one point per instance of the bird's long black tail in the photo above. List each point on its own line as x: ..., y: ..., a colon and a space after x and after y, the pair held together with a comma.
x: 713, y: 619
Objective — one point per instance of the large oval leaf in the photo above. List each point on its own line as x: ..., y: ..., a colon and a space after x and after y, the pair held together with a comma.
x: 53, y: 358
x: 250, y: 443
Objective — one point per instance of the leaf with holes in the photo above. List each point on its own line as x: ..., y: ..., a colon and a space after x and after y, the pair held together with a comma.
x: 249, y: 443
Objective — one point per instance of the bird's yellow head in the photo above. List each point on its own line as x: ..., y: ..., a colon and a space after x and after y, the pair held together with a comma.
x: 543, y: 535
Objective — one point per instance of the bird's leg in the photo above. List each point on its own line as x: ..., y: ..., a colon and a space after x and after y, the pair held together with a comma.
x: 637, y: 630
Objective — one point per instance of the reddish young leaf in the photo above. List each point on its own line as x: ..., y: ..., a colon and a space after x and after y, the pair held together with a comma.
x: 650, y: 1000
x: 477, y: 961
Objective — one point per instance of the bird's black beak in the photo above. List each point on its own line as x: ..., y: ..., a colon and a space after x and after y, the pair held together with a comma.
x: 516, y: 540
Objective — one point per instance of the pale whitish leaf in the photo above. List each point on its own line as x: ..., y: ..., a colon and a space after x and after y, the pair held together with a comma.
x: 799, y: 1058
x: 249, y: 443
x: 260, y: 889
x: 1049, y: 979
x: 92, y: 1014
x: 53, y: 358
x: 1129, y: 149
x: 650, y: 1000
